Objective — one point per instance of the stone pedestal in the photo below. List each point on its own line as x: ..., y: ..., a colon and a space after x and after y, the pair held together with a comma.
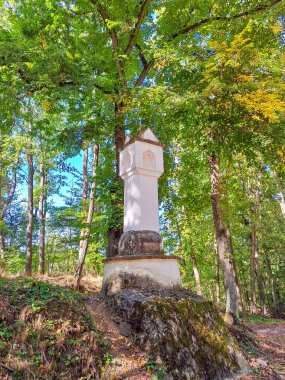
x: 141, y: 263
x: 141, y: 272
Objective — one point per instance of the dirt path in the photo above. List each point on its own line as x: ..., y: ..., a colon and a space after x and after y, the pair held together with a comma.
x: 266, y: 354
x: 125, y: 362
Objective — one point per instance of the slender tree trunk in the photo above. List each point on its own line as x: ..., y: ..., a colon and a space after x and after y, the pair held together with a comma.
x: 281, y: 202
x: 86, y: 230
x: 42, y: 217
x: 255, y: 275
x: 115, y: 225
x: 190, y: 245
x: 29, y: 234
x: 223, y: 244
x: 272, y: 283
x: 84, y: 192
x: 245, y: 292
x: 254, y: 259
x: 2, y: 247
x: 85, y: 173
x: 196, y: 272
x: 240, y: 304
x: 5, y: 202
x: 253, y: 307
x: 217, y: 275
x: 260, y: 289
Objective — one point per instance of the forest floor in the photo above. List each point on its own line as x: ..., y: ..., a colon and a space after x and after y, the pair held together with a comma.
x: 261, y: 339
x: 263, y: 344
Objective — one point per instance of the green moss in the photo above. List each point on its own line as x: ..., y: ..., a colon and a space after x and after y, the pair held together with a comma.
x: 187, y: 329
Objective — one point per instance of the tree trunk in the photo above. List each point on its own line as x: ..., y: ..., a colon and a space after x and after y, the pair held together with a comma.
x: 86, y: 230
x: 245, y: 292
x: 115, y: 225
x: 272, y: 284
x: 84, y: 192
x: 2, y: 244
x: 260, y: 289
x: 281, y: 202
x: 42, y: 217
x: 189, y: 244
x: 254, y: 260
x: 217, y: 275
x: 85, y: 174
x: 196, y: 272
x: 5, y: 203
x: 29, y: 235
x: 253, y: 308
x: 240, y: 304
x: 223, y: 244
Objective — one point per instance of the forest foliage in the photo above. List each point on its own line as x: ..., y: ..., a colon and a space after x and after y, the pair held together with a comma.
x: 206, y: 76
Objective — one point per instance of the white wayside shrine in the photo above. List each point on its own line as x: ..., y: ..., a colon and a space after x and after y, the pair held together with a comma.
x: 141, y: 262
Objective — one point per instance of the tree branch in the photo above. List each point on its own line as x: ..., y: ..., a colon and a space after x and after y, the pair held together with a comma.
x: 105, y: 17
x: 141, y: 55
x: 144, y: 73
x: 119, y: 62
x: 136, y: 29
x: 11, y: 191
x: 208, y: 20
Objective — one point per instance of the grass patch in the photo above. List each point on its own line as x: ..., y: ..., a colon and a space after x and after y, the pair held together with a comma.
x: 46, y: 333
x: 259, y: 319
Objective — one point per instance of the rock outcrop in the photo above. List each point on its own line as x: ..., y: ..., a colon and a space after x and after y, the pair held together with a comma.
x: 179, y: 330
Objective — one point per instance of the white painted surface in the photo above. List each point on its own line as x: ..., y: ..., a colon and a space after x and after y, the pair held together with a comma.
x: 141, y: 203
x: 164, y: 271
x: 132, y: 159
x: 141, y: 164
x: 149, y: 135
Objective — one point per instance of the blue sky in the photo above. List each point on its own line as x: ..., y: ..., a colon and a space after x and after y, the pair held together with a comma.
x: 58, y: 200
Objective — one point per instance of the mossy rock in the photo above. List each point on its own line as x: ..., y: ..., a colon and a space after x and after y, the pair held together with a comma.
x: 181, y: 331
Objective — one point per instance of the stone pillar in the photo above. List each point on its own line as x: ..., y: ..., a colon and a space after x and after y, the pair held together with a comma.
x: 141, y: 164
x: 141, y: 262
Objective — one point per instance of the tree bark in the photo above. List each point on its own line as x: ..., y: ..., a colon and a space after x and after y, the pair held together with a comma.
x: 86, y: 230
x: 260, y: 289
x: 253, y: 307
x: 42, y: 219
x: 281, y: 202
x: 223, y: 244
x: 240, y: 303
x: 85, y: 174
x: 254, y: 259
x: 2, y: 245
x: 196, y: 272
x: 10, y: 186
x: 272, y: 281
x: 29, y: 234
x: 84, y: 191
x: 245, y: 292
x: 217, y: 275
x: 189, y: 244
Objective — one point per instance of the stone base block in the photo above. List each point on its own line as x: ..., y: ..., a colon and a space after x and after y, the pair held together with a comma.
x: 141, y: 272
x: 140, y: 243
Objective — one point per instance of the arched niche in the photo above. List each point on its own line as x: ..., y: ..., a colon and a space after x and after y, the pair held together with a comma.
x: 149, y: 159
